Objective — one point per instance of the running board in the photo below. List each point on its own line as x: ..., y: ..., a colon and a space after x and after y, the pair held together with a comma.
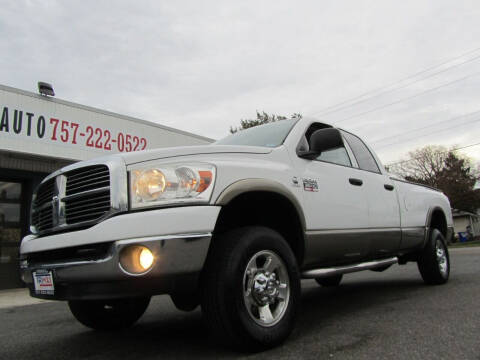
x: 325, y: 272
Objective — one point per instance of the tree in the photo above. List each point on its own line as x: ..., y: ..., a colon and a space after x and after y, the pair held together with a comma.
x: 422, y: 165
x: 443, y: 169
x: 262, y: 118
x: 457, y: 182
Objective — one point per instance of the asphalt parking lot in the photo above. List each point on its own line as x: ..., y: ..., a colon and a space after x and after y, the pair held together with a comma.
x: 389, y: 315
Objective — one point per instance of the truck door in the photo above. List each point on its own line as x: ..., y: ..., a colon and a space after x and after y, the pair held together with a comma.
x: 383, y: 206
x: 336, y: 208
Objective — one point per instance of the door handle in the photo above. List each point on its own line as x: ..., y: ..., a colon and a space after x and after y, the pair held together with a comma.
x: 356, y: 182
x: 388, y: 187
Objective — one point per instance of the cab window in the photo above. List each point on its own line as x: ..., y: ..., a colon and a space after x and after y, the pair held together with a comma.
x: 335, y: 156
x: 363, y: 155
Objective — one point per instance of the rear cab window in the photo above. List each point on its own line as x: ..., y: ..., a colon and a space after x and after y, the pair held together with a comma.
x: 362, y: 154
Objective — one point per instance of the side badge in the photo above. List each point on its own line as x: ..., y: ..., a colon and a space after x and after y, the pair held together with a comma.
x: 310, y: 185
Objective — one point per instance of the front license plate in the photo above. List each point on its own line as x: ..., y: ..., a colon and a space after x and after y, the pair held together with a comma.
x: 43, y: 281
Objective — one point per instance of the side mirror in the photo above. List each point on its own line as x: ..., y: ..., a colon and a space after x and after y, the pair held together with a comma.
x: 320, y: 141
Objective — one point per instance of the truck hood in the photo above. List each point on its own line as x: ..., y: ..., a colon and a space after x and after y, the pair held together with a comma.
x: 141, y: 156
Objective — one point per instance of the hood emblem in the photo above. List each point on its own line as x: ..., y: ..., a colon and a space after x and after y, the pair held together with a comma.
x: 56, y: 210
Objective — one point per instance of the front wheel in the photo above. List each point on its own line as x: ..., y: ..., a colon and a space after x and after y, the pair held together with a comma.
x: 251, y: 288
x: 109, y: 314
x: 434, y: 260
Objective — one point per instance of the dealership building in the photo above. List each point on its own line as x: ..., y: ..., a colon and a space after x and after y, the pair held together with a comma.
x: 40, y: 134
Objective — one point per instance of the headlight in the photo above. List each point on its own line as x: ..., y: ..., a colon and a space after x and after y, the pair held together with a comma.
x: 171, y: 183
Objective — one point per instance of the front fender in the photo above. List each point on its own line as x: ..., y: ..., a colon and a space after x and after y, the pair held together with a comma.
x: 251, y: 185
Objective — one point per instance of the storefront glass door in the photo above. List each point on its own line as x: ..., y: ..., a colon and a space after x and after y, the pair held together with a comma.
x: 10, y: 233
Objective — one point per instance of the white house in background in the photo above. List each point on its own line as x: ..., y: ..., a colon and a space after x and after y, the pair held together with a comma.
x: 462, y: 219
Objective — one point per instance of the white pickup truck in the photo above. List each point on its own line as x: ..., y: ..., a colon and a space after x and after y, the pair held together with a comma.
x: 233, y: 226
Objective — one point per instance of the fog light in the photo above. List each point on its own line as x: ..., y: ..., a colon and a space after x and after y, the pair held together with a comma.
x: 136, y: 259
x: 146, y: 258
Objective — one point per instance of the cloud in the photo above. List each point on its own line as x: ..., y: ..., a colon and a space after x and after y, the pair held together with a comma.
x: 202, y: 66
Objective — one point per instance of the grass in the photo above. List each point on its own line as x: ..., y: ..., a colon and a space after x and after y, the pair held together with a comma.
x: 465, y: 244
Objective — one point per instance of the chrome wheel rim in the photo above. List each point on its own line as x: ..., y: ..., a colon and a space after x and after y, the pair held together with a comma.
x: 442, y: 259
x: 266, y: 288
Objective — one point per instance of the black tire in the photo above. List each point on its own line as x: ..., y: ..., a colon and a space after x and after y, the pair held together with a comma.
x: 185, y: 302
x: 329, y: 281
x: 430, y: 262
x: 224, y: 299
x: 112, y: 314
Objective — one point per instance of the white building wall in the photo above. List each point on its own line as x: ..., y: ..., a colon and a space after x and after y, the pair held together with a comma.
x: 48, y: 127
x: 476, y: 226
x: 460, y: 224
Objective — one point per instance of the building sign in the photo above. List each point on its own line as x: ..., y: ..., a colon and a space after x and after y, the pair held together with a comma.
x: 68, y: 132
x: 31, y: 123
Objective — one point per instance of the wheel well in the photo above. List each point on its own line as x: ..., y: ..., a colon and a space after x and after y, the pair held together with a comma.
x: 266, y: 209
x: 438, y: 221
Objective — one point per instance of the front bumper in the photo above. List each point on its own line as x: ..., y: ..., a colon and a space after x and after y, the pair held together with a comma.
x: 91, y: 270
x: 178, y: 262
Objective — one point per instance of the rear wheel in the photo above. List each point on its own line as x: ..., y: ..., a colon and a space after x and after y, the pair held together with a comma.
x: 330, y: 281
x: 109, y: 314
x: 434, y: 260
x: 250, y: 288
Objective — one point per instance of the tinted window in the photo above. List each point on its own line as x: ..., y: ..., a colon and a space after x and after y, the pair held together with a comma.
x: 270, y: 135
x: 336, y: 156
x: 362, y: 154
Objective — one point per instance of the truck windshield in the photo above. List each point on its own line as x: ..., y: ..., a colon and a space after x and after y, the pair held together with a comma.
x: 268, y: 135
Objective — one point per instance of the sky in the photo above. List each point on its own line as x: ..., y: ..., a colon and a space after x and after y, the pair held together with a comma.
x: 201, y: 66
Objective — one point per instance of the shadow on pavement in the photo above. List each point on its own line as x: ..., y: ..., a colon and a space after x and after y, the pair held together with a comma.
x: 182, y: 335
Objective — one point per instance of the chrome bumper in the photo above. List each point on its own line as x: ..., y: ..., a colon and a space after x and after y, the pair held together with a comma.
x: 178, y: 262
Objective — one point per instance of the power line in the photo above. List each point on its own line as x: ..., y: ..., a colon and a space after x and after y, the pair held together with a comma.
x: 433, y: 132
x: 400, y: 87
x: 332, y: 108
x: 443, y: 152
x: 407, y: 98
x: 426, y: 127
x: 376, y: 141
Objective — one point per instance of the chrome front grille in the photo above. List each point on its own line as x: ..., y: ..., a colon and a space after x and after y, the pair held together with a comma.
x: 77, y: 196
x: 88, y: 178
x: 87, y: 194
x: 42, y: 217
